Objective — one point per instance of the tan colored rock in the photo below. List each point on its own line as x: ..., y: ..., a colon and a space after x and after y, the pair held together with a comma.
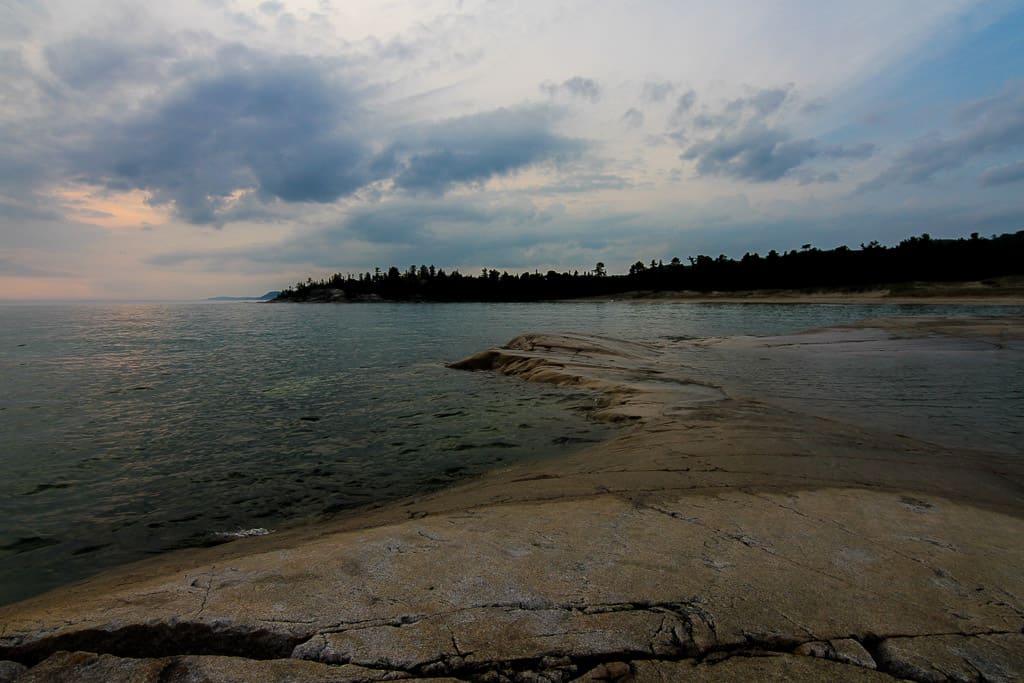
x: 615, y: 672
x: 933, y: 659
x: 767, y: 667
x: 86, y: 667
x: 9, y: 671
x: 845, y: 650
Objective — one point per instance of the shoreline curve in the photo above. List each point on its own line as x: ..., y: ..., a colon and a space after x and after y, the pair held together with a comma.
x: 716, y: 538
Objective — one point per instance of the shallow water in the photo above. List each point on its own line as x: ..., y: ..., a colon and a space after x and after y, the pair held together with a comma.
x: 132, y: 429
x: 955, y: 392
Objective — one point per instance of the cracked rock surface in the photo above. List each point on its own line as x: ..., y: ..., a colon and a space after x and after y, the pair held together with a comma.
x: 718, y: 539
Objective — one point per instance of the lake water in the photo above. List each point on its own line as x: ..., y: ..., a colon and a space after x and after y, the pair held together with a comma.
x: 133, y: 429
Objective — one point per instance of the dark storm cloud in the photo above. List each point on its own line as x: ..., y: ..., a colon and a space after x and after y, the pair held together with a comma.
x: 577, y: 86
x: 282, y: 126
x: 290, y: 129
x: 233, y: 133
x: 1001, y: 175
x: 990, y: 125
x: 759, y: 154
x: 474, y: 148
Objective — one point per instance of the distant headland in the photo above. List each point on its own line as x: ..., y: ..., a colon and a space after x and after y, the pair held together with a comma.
x: 979, y: 266
x: 266, y: 297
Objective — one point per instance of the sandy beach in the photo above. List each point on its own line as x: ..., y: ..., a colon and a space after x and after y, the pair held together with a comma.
x: 716, y: 537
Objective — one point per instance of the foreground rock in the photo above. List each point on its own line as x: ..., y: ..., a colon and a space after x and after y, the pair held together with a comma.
x: 719, y: 540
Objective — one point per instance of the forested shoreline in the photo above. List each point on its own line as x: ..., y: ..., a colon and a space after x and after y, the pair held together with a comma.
x: 808, y: 268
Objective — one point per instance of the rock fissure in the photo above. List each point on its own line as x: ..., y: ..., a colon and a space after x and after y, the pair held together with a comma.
x: 160, y: 640
x: 692, y: 636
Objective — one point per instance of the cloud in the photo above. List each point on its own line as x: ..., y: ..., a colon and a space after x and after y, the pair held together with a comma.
x: 1001, y: 175
x: 633, y: 118
x: 280, y: 126
x: 760, y: 154
x: 19, y: 18
x: 685, y: 103
x: 441, y: 230
x: 271, y: 7
x: 587, y: 182
x: 12, y: 209
x: 474, y: 148
x: 89, y: 62
x: 46, y: 231
x: 988, y: 126
x: 748, y: 111
x: 761, y: 103
x: 323, y: 136
x: 12, y: 268
x: 815, y: 106
x: 292, y: 129
x: 656, y: 91
x: 577, y: 86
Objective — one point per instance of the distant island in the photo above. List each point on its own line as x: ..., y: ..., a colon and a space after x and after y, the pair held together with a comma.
x: 872, y: 266
x: 266, y: 297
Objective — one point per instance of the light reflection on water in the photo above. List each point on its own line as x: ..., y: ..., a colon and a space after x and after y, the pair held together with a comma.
x: 132, y: 429
x: 966, y: 393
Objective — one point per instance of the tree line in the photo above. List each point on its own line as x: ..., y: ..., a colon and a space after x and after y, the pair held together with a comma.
x: 920, y: 258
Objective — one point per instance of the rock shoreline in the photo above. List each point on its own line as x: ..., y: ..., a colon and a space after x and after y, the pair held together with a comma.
x: 719, y: 538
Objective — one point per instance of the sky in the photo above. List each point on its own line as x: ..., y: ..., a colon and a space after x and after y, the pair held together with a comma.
x: 225, y: 147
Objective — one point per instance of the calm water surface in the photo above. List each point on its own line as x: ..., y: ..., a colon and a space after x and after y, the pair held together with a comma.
x: 133, y: 429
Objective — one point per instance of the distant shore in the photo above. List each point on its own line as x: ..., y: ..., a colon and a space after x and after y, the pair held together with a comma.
x: 1007, y: 291
x: 714, y: 538
x: 1002, y: 291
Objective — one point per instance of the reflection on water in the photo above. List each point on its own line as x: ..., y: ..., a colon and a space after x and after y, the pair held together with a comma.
x: 132, y: 429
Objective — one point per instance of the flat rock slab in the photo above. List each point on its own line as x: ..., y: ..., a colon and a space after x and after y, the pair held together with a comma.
x: 597, y: 579
x: 86, y: 667
x: 998, y: 658
x: 756, y: 667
